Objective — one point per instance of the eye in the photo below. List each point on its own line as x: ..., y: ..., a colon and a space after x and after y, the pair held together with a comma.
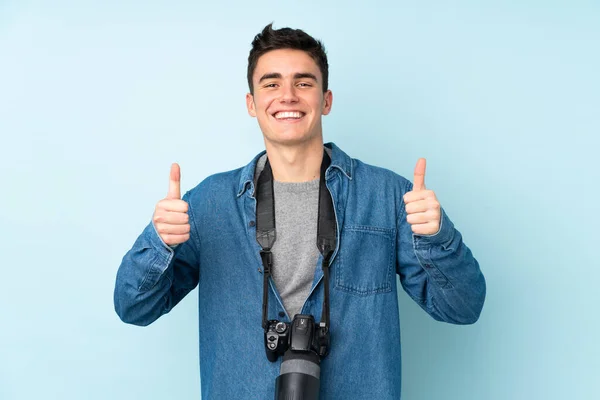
x: 304, y: 84
x: 270, y: 85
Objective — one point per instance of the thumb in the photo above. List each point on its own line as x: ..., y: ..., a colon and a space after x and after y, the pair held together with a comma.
x: 174, y: 182
x: 419, y: 181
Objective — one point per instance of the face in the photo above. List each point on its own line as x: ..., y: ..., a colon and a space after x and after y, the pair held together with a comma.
x: 288, y: 99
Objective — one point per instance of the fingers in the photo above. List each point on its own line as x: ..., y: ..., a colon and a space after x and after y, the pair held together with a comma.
x: 413, y: 196
x: 170, y: 229
x: 173, y: 227
x: 174, y: 218
x: 417, y: 206
x: 421, y: 217
x: 171, y: 222
x: 420, y: 206
x: 419, y: 180
x: 180, y: 206
x: 174, y: 182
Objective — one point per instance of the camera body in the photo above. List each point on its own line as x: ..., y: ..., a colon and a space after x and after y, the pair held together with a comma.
x: 301, y: 335
x: 302, y: 345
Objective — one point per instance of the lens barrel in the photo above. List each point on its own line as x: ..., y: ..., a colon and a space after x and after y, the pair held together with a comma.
x: 299, y: 377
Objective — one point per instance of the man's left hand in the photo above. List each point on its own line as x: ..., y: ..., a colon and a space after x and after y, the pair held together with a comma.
x: 423, y: 211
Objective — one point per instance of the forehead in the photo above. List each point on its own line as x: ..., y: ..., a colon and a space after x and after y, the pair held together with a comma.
x: 287, y: 62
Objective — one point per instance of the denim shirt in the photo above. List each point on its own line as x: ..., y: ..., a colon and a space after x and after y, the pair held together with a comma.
x: 375, y: 242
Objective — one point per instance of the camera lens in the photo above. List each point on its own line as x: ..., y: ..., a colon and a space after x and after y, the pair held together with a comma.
x: 299, y: 377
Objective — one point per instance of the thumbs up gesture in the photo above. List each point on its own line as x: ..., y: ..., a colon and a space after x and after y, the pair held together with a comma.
x: 423, y: 211
x: 170, y: 215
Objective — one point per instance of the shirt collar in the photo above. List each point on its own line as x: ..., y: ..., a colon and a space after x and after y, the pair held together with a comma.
x: 339, y: 160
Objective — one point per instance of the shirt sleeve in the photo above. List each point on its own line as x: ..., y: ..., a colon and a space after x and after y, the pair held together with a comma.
x: 439, y: 272
x: 153, y: 276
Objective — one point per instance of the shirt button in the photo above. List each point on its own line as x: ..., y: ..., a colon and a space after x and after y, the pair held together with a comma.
x: 281, y: 314
x: 252, y: 223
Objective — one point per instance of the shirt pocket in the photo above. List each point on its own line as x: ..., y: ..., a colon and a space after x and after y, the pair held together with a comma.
x: 366, y: 260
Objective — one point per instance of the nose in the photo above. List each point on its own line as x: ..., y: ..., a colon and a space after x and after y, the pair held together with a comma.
x: 288, y: 94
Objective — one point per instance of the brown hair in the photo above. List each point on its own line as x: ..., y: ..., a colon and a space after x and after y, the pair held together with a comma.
x: 287, y: 38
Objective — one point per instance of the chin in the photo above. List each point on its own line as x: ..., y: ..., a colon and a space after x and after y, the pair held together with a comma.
x: 289, y: 137
x: 294, y: 139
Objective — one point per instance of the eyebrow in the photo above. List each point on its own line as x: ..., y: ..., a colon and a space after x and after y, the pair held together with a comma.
x: 297, y: 75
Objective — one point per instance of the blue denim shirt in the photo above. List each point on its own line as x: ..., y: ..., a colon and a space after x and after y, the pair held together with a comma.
x: 375, y: 242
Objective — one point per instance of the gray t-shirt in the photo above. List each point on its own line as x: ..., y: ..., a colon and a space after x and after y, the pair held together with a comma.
x: 295, y: 250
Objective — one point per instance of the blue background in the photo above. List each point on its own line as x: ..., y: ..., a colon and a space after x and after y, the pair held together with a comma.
x: 97, y: 98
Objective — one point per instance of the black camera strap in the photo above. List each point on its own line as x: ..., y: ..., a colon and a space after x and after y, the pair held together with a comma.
x: 266, y: 234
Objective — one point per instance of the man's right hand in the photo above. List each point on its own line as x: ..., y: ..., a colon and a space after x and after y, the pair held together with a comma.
x: 170, y: 215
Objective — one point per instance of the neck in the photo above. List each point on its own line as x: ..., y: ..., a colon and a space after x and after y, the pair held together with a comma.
x: 295, y: 163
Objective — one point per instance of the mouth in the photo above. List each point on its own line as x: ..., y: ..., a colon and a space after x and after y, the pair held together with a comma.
x: 288, y: 116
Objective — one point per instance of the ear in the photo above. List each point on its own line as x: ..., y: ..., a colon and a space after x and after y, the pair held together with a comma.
x: 250, y: 104
x: 327, y: 100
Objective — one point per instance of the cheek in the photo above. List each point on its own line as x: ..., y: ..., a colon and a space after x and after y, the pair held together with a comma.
x: 262, y: 106
x: 317, y: 104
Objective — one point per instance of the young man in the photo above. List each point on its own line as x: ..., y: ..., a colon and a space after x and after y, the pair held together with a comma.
x: 384, y: 225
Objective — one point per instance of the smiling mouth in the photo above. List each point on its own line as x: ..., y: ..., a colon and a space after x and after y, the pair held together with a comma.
x: 288, y: 115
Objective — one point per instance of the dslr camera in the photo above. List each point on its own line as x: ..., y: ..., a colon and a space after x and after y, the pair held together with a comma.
x: 302, y: 344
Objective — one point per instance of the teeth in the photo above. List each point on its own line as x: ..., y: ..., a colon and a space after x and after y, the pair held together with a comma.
x: 288, y: 114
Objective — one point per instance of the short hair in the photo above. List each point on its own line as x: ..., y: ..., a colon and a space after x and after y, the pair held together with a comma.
x: 286, y: 38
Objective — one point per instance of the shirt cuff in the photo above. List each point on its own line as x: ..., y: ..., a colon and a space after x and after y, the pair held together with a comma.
x: 165, y: 251
x: 157, y: 241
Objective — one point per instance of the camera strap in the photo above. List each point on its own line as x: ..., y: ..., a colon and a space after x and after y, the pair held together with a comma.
x: 266, y: 233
